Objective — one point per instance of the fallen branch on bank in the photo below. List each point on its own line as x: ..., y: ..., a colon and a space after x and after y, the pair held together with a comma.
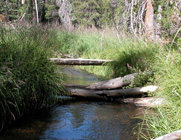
x: 146, y: 101
x: 115, y: 83
x: 171, y: 136
x: 80, y: 61
x: 116, y: 93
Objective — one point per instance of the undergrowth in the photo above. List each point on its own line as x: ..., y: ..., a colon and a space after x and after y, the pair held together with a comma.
x: 167, y: 77
x: 28, y: 80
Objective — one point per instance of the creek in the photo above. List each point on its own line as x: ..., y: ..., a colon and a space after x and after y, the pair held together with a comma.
x: 79, y: 119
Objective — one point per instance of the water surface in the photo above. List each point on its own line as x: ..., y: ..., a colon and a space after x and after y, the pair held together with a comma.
x: 92, y: 121
x: 82, y: 120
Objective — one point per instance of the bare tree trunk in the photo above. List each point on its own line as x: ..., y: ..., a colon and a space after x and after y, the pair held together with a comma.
x: 106, y: 94
x: 22, y: 2
x: 145, y: 101
x: 114, y: 83
x: 64, y: 13
x: 149, y: 21
x: 117, y: 93
x: 36, y: 6
x: 72, y: 61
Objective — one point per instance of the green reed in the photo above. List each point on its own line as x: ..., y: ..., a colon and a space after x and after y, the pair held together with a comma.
x: 28, y: 80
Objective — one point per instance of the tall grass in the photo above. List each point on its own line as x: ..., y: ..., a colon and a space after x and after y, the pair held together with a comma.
x: 167, y: 77
x: 28, y: 80
x: 125, y: 51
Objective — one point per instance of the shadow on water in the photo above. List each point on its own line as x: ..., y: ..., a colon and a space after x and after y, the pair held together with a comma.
x: 92, y: 120
x: 79, y: 119
x: 75, y: 76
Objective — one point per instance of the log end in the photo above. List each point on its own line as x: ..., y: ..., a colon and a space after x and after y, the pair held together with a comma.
x: 147, y: 101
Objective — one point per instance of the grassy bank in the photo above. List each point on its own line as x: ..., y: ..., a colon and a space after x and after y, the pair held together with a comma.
x: 167, y: 77
x: 131, y: 56
x: 28, y: 80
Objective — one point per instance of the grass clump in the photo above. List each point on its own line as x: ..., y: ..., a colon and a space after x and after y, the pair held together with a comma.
x: 28, y: 80
x: 167, y: 77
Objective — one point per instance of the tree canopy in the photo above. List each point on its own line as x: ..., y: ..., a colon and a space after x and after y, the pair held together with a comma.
x: 129, y: 15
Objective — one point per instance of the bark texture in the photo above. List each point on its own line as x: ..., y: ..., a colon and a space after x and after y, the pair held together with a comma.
x: 114, y: 83
x: 149, y: 21
x: 68, y: 61
x: 117, y: 93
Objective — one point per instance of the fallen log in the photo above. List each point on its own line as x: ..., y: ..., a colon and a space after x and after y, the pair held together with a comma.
x: 85, y: 93
x: 146, y: 101
x: 115, y: 83
x: 71, y: 61
x: 91, y: 93
x: 171, y: 136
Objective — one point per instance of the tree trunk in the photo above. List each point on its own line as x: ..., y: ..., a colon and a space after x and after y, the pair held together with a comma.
x: 149, y: 21
x: 147, y: 101
x: 43, y: 18
x: 104, y: 94
x: 36, y: 6
x: 115, y: 83
x: 68, y: 61
x: 22, y: 2
x: 65, y: 9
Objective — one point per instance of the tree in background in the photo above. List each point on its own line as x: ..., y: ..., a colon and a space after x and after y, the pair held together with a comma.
x: 64, y: 12
x: 31, y: 11
x: 150, y: 18
x: 149, y: 21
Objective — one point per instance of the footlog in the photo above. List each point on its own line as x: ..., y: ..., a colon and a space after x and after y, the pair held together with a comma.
x: 71, y: 61
x: 90, y: 93
x: 115, y: 83
x: 85, y: 93
x: 146, y: 101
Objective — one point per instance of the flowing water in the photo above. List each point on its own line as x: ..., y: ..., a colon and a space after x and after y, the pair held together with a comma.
x: 82, y: 120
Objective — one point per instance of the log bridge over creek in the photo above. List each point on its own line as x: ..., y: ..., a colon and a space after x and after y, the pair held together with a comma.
x: 79, y: 61
x: 110, y: 89
x: 113, y: 89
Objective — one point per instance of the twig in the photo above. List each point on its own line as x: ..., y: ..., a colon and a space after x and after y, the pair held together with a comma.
x: 132, y: 4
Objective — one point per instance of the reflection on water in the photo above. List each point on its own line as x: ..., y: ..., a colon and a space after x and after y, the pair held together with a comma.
x: 77, y: 76
x: 85, y: 120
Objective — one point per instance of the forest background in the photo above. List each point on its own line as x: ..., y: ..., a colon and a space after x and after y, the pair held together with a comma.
x: 154, y: 18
